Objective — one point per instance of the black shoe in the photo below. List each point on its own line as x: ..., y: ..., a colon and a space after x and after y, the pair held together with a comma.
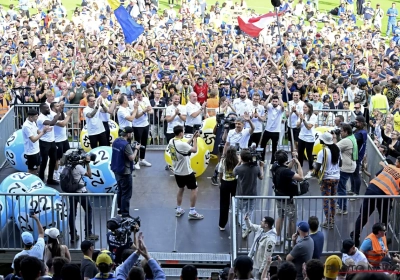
x: 74, y: 239
x: 92, y: 237
x: 53, y: 182
x: 119, y: 212
x: 167, y: 167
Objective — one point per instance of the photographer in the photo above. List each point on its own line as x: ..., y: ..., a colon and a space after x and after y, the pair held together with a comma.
x: 361, y: 136
x: 78, y: 171
x: 349, y: 155
x: 122, y: 159
x: 283, y: 177
x: 240, y: 136
x: 247, y: 173
x: 263, y: 245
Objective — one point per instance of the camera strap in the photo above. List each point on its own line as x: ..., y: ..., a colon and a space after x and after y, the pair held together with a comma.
x: 183, y: 154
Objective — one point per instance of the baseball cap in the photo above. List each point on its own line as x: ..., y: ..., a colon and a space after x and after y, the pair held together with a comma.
x: 86, y: 245
x: 303, y: 226
x: 127, y: 129
x: 104, y: 257
x: 27, y: 238
x: 332, y: 266
x: 52, y: 232
x: 347, y: 245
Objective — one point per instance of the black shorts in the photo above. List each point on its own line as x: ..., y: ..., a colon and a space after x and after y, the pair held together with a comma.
x: 188, y: 180
x: 296, y: 132
x: 33, y: 161
x: 62, y: 147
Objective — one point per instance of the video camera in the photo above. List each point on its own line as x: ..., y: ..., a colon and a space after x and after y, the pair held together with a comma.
x: 123, y: 227
x: 337, y: 130
x: 134, y: 143
x: 78, y: 156
x: 229, y: 123
x: 256, y: 153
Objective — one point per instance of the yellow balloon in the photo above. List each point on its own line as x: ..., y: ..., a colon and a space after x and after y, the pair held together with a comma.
x: 207, y: 128
x: 198, y: 161
x: 84, y: 137
x: 317, y: 133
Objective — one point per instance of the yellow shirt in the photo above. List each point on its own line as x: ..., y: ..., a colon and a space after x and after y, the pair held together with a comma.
x: 396, y: 121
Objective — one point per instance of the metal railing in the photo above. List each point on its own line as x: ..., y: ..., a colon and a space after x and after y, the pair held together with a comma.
x: 6, y: 128
x: 307, y: 206
x: 55, y: 210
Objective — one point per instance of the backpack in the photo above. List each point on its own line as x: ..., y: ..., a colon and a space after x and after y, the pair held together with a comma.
x: 295, y: 188
x: 67, y: 181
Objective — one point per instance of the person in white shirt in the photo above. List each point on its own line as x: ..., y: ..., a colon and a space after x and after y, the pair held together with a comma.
x: 125, y: 115
x: 141, y: 126
x: 351, y: 92
x: 108, y: 108
x: 180, y: 154
x: 31, y: 135
x: 242, y: 104
x: 295, y: 108
x: 275, y: 110
x: 349, y: 250
x: 194, y: 113
x: 60, y: 133
x: 257, y: 113
x: 239, y: 136
x: 306, y: 123
x: 175, y: 115
x: 325, y: 118
x: 95, y: 127
x: 47, y: 144
x: 36, y: 250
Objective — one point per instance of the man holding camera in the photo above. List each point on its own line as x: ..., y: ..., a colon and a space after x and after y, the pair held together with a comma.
x: 122, y: 159
x: 78, y: 171
x: 247, y: 173
x: 184, y: 175
x: 240, y: 136
x: 349, y: 156
x: 194, y: 112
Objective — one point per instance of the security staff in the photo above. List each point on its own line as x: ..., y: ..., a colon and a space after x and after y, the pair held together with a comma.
x: 387, y: 182
x: 375, y: 246
x: 122, y: 165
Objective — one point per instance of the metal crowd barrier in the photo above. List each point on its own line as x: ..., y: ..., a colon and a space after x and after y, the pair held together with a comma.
x: 6, y: 128
x: 54, y: 210
x: 307, y: 206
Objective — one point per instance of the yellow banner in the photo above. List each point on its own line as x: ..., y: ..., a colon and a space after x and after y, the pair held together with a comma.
x: 114, y: 4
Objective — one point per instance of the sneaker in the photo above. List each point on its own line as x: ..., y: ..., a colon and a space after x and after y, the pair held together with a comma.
x: 350, y: 192
x: 195, y: 216
x: 119, y: 213
x: 74, y: 238
x: 354, y: 197
x: 137, y: 166
x: 214, y: 181
x: 309, y: 175
x: 327, y: 226
x: 221, y: 228
x: 341, y: 212
x: 179, y: 213
x: 144, y: 163
x: 92, y: 237
x: 245, y: 233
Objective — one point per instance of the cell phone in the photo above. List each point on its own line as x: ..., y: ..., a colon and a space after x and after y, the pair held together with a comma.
x: 273, y: 270
x: 274, y: 258
x: 214, y: 276
x: 31, y: 212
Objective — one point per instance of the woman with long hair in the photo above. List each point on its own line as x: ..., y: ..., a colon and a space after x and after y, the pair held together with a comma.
x: 228, y: 185
x: 327, y: 167
x: 306, y: 123
x: 53, y: 248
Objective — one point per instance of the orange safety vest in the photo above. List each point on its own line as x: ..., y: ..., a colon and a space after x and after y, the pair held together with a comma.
x: 388, y: 180
x: 376, y: 255
x: 3, y: 107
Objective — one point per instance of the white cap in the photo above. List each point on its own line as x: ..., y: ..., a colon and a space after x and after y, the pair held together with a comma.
x: 52, y: 232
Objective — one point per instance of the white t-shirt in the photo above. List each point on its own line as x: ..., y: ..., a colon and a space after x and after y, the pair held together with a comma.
x: 357, y: 257
x: 351, y: 94
x: 258, y: 125
x: 124, y: 112
x: 170, y: 111
x: 144, y: 119
x: 242, y: 138
x: 305, y: 134
x: 49, y: 135
x: 180, y: 163
x: 274, y: 120
x: 30, y: 129
x: 332, y: 171
x: 36, y: 251
x: 94, y: 125
x: 105, y: 117
x: 328, y: 120
x: 242, y: 106
x: 293, y: 118
x: 60, y: 133
x: 190, y: 109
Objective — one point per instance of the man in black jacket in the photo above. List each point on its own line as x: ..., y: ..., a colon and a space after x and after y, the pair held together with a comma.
x: 156, y: 126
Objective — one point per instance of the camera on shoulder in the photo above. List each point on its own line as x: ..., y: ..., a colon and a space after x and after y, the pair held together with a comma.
x: 121, y: 228
x: 78, y: 156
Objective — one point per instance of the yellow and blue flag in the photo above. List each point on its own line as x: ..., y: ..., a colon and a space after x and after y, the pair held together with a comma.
x: 131, y: 29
